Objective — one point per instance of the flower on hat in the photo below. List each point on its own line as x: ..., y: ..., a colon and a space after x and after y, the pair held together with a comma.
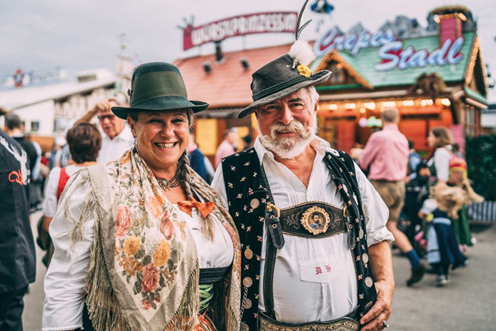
x: 304, y: 70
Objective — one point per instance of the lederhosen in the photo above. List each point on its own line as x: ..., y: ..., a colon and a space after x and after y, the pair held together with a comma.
x: 250, y: 205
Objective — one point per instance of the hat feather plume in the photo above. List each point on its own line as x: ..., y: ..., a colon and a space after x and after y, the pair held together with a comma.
x: 302, y: 52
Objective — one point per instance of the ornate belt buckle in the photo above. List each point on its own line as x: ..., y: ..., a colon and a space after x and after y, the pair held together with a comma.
x: 315, y: 220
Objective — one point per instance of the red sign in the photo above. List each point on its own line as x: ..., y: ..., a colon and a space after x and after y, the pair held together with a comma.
x: 272, y: 22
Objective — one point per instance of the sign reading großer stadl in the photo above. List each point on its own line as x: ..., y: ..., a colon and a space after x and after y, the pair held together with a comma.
x: 271, y: 22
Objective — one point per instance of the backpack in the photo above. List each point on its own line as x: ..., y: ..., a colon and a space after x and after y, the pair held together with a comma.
x: 457, y: 169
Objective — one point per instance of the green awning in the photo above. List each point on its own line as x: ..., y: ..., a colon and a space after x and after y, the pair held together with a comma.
x: 475, y: 95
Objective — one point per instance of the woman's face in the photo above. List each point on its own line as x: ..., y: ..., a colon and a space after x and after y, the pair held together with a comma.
x: 162, y: 137
x: 432, y: 140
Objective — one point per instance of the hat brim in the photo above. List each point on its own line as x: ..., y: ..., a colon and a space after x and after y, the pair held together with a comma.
x: 317, y: 78
x: 160, y: 104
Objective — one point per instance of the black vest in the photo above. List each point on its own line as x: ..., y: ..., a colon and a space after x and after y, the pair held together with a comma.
x: 247, y: 197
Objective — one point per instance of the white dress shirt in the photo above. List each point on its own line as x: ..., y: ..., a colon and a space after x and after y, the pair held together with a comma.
x: 112, y: 149
x: 64, y: 281
x: 300, y: 293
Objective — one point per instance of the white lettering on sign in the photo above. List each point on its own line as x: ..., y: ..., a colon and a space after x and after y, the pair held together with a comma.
x: 393, y: 55
x: 331, y: 40
x: 239, y: 26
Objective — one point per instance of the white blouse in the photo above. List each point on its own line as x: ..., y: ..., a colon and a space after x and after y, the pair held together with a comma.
x: 441, y: 161
x: 64, y: 281
x: 50, y: 202
x: 301, y: 294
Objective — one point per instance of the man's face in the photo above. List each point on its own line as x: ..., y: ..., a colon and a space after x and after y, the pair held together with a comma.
x: 232, y: 137
x: 111, y: 124
x: 288, y: 125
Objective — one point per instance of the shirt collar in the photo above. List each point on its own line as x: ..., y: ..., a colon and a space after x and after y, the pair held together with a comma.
x: 390, y: 127
x: 318, y: 144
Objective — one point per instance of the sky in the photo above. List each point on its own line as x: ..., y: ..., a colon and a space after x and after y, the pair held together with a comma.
x: 82, y: 35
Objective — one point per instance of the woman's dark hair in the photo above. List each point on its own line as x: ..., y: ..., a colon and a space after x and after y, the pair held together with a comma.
x: 84, y: 142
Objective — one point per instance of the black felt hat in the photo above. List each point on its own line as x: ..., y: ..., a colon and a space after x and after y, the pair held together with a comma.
x: 279, y: 78
x: 286, y: 74
x: 158, y: 86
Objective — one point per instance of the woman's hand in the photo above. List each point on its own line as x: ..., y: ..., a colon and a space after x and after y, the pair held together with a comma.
x: 46, y: 223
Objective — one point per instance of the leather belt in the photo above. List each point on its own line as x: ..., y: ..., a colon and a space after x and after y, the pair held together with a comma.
x: 347, y: 323
x: 313, y: 219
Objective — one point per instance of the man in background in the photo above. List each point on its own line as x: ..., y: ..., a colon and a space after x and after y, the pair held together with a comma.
x: 226, y: 148
x: 14, y: 128
x: 17, y: 256
x: 116, y: 137
x: 386, y: 155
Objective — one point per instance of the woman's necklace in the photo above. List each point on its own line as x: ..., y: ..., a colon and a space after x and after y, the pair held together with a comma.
x: 168, y: 184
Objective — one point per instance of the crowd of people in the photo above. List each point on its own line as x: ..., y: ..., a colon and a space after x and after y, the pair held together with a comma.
x: 287, y: 234
x: 427, y: 199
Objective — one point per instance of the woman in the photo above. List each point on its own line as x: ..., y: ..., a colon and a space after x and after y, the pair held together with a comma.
x: 84, y: 142
x: 142, y: 239
x: 441, y: 140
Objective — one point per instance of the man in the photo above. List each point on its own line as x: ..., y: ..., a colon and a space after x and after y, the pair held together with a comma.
x: 296, y: 276
x: 116, y: 137
x: 14, y: 128
x: 386, y: 154
x: 17, y: 257
x: 226, y: 148
x: 196, y: 157
x: 414, y: 160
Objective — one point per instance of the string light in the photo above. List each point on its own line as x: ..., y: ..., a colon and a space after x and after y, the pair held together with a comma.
x: 388, y: 104
x: 362, y: 110
x: 332, y: 106
x: 350, y: 106
x: 426, y: 102
x: 369, y: 105
x: 445, y: 102
x: 408, y: 103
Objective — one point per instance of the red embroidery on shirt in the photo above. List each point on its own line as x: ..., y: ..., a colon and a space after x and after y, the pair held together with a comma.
x: 318, y: 270
x: 16, y: 177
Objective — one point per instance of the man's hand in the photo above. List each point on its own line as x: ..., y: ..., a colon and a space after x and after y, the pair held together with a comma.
x: 101, y: 107
x: 382, y: 269
x: 380, y: 312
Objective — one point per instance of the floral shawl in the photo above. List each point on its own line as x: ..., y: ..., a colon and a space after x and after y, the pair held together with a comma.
x: 144, y: 266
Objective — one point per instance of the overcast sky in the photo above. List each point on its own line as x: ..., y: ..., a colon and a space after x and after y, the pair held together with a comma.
x: 81, y: 35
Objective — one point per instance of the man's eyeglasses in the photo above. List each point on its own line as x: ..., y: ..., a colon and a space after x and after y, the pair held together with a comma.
x: 110, y: 117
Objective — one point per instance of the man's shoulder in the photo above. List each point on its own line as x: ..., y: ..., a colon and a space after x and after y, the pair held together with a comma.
x: 241, y: 156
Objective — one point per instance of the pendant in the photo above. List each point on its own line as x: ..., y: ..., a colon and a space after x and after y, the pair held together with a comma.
x: 315, y: 220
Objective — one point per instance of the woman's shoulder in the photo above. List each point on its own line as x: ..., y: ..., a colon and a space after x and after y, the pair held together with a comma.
x: 442, y: 152
x: 54, y: 174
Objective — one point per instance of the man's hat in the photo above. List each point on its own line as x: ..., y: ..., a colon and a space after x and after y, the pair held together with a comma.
x: 158, y: 86
x: 286, y: 74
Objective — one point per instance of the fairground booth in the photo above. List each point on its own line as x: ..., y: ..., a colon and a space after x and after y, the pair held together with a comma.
x: 434, y: 76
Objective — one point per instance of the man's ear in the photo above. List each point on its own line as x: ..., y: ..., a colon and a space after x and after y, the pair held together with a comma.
x: 131, y: 125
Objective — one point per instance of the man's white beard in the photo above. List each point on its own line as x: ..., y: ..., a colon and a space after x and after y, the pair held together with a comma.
x: 289, y: 147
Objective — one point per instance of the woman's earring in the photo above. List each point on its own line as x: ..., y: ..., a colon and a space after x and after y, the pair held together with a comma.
x: 135, y: 148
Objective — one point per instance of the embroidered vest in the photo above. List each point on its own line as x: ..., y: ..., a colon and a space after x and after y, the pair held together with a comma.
x: 247, y: 197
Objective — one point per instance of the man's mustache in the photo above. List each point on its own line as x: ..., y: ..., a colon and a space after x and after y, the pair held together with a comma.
x: 293, y: 126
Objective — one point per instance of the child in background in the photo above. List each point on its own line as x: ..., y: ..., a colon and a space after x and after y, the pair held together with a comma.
x: 443, y: 250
